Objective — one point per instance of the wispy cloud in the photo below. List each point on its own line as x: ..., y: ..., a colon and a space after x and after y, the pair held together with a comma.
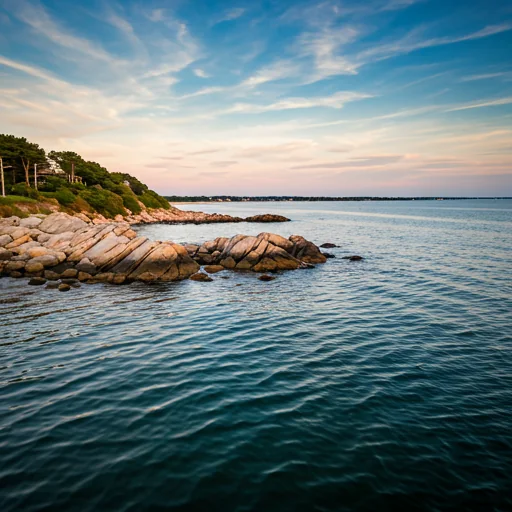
x: 231, y: 15
x: 485, y: 76
x: 279, y: 70
x: 224, y: 163
x: 201, y: 73
x: 337, y: 101
x: 412, y: 42
x: 273, y: 150
x: 30, y: 70
x: 331, y: 47
x: 36, y: 16
x: 369, y: 161
x: 324, y: 47
x: 482, y: 104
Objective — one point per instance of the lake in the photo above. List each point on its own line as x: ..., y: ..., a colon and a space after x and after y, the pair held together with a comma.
x: 384, y: 384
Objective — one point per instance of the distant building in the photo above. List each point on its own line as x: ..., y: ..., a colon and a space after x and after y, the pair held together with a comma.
x: 53, y: 167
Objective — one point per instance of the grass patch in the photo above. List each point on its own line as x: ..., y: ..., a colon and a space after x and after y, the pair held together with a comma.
x: 12, y: 200
x: 12, y: 210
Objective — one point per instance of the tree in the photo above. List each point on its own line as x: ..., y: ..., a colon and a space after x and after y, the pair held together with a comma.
x: 92, y: 173
x: 17, y: 150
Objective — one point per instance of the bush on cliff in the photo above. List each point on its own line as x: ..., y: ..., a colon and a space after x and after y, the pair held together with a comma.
x: 104, y: 201
x: 65, y: 196
x: 151, y: 199
x: 22, y: 189
x: 131, y: 203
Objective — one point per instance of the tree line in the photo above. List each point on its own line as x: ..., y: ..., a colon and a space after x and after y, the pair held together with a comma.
x: 109, y: 193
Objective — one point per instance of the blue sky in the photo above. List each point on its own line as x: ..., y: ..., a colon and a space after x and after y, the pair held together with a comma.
x: 383, y: 97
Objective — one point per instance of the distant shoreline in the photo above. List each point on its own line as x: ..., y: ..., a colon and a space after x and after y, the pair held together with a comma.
x: 174, y: 200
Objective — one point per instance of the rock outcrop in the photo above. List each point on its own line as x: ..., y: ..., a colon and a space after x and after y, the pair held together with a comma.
x: 267, y: 217
x: 177, y: 216
x: 263, y: 253
x: 61, y: 246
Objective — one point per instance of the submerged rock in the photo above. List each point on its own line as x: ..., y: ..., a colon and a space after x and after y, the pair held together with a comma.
x: 353, y: 258
x: 70, y: 273
x: 37, y: 281
x: 267, y: 217
x: 72, y: 282
x: 213, y: 269
x: 266, y: 277
x: 328, y: 245
x: 204, y: 278
x: 51, y: 275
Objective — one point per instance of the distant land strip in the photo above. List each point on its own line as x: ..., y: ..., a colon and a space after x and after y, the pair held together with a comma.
x: 220, y: 199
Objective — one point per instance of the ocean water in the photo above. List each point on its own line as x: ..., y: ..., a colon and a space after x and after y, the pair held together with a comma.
x: 377, y: 385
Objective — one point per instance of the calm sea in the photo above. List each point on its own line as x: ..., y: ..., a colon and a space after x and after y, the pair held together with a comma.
x: 377, y: 385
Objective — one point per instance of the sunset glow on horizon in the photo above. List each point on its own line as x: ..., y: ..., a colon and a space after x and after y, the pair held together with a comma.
x: 380, y: 98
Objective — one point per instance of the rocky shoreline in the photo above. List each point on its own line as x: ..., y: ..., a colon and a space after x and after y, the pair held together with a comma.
x: 177, y: 216
x: 74, y: 249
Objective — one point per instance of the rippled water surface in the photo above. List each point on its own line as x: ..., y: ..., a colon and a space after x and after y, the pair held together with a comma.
x: 377, y: 385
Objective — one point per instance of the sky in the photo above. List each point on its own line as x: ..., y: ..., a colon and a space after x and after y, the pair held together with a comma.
x: 268, y: 97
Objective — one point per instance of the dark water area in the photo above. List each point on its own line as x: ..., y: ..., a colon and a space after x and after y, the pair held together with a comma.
x: 384, y: 384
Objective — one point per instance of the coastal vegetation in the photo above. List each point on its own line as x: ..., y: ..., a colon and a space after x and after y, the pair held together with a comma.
x: 36, y: 181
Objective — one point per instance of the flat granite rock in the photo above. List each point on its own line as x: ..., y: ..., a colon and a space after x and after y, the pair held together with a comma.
x: 60, y: 223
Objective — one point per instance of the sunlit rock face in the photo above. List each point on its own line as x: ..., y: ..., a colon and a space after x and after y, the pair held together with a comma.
x: 262, y: 253
x: 64, y: 246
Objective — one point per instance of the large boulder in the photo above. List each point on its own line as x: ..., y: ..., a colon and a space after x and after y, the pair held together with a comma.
x: 5, y: 255
x: 18, y: 241
x: 87, y: 266
x: 204, y: 278
x: 33, y: 267
x: 4, y: 240
x: 37, y: 250
x: 60, y: 223
x: 30, y: 222
x: 306, y: 251
x: 10, y: 221
x: 47, y: 261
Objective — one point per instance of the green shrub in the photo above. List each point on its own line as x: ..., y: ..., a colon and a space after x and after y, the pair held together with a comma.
x: 151, y: 199
x: 12, y: 200
x: 9, y: 211
x: 131, y: 203
x: 137, y: 187
x: 75, y: 187
x: 103, y: 201
x: 53, y: 183
x: 65, y: 196
x: 22, y: 189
